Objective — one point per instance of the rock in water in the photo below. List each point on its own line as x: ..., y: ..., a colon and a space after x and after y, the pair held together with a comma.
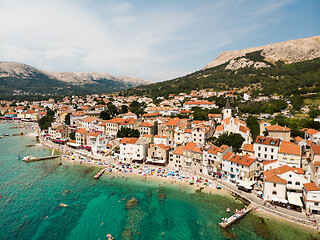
x: 131, y: 204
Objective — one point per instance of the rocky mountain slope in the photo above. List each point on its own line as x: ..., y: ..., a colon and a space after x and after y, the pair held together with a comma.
x: 289, y: 52
x: 24, y: 78
x: 286, y: 68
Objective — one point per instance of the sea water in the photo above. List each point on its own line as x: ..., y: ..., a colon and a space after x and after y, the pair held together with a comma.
x: 31, y: 194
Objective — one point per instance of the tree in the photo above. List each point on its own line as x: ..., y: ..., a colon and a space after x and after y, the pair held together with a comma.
x: 72, y: 135
x: 112, y: 109
x: 124, y: 109
x: 234, y: 140
x: 104, y: 115
x: 128, y: 132
x: 67, y: 119
x: 137, y: 108
x: 314, y: 113
x: 254, y: 126
x: 200, y: 114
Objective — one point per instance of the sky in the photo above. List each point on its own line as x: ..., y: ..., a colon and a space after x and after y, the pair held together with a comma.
x: 153, y: 40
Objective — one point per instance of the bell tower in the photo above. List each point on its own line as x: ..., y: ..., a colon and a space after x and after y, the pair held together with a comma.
x: 227, y: 112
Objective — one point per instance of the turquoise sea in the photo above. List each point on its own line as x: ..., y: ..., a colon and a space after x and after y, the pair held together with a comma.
x: 31, y: 194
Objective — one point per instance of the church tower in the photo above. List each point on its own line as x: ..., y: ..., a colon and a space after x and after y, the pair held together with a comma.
x: 226, y: 112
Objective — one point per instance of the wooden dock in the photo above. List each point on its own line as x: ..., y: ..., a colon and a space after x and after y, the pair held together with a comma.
x: 99, y: 174
x: 235, y: 217
x: 33, y: 159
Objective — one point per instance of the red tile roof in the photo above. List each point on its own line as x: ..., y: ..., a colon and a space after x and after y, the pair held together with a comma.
x: 315, y: 149
x: 267, y: 140
x: 129, y: 140
x: 243, y: 160
x: 311, y: 187
x: 278, y: 128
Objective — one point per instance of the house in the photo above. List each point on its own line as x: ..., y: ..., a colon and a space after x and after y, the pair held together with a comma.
x: 10, y: 115
x: 279, y: 182
x: 161, y: 139
x: 193, y: 159
x: 81, y: 137
x: 201, y: 104
x: 263, y: 125
x: 165, y: 111
x: 133, y: 149
x: 290, y: 154
x: 312, y: 135
x: 247, y: 149
x: 158, y: 154
x: 151, y: 116
x: 240, y: 170
x: 266, y: 148
x: 200, y: 134
x: 129, y: 115
x: 215, y: 117
x: 115, y: 124
x: 212, y: 158
x: 314, y: 153
x: 75, y: 119
x: 89, y: 123
x: 280, y: 132
x: 311, y: 197
x: 167, y: 128
x: 58, y: 132
x: 92, y: 139
x: 148, y: 128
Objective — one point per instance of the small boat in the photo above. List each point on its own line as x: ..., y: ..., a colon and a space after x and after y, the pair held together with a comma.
x: 109, y: 237
x: 218, y: 187
x: 228, y: 210
x: 6, y: 134
x: 63, y: 205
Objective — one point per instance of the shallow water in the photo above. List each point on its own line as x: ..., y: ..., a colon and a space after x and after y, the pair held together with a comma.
x: 31, y: 194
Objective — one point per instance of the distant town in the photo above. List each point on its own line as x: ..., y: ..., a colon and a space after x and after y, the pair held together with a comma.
x: 255, y: 153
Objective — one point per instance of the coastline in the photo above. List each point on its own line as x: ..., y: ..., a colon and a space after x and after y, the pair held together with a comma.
x: 176, y: 184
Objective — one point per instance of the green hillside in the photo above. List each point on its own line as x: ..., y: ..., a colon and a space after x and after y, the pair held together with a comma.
x: 280, y: 78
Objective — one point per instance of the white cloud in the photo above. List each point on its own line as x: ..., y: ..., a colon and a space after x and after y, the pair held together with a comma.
x: 153, y: 41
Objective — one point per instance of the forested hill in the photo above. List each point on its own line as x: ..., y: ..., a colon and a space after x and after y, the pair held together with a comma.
x: 283, y: 79
x: 284, y: 68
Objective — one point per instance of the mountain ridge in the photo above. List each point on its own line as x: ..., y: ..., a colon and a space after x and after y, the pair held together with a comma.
x: 16, y: 76
x: 289, y: 52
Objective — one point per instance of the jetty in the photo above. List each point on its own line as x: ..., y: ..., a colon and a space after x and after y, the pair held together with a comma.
x: 99, y: 174
x: 228, y: 221
x: 33, y: 159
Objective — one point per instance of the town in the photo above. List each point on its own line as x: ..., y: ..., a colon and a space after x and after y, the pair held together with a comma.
x: 189, y: 133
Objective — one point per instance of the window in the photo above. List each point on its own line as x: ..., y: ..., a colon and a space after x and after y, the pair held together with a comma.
x: 259, y: 154
x: 298, y: 183
x: 272, y: 149
x: 271, y: 157
x: 274, y: 185
x: 274, y: 192
x: 259, y: 148
x: 290, y: 175
x: 265, y: 156
x: 316, y: 204
x: 265, y: 149
x: 289, y: 182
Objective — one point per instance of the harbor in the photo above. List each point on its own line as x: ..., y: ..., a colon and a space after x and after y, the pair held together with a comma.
x: 226, y: 222
x: 99, y: 174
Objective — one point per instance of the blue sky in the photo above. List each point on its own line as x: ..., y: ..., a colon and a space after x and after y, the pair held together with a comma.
x: 154, y: 40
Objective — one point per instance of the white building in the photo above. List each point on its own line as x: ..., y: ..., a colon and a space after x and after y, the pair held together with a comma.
x: 202, y: 104
x: 238, y: 169
x: 133, y: 149
x: 280, y: 182
x: 266, y: 148
x: 312, y: 135
x: 311, y: 197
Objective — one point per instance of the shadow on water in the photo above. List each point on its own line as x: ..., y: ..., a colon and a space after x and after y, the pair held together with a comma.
x: 260, y: 227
